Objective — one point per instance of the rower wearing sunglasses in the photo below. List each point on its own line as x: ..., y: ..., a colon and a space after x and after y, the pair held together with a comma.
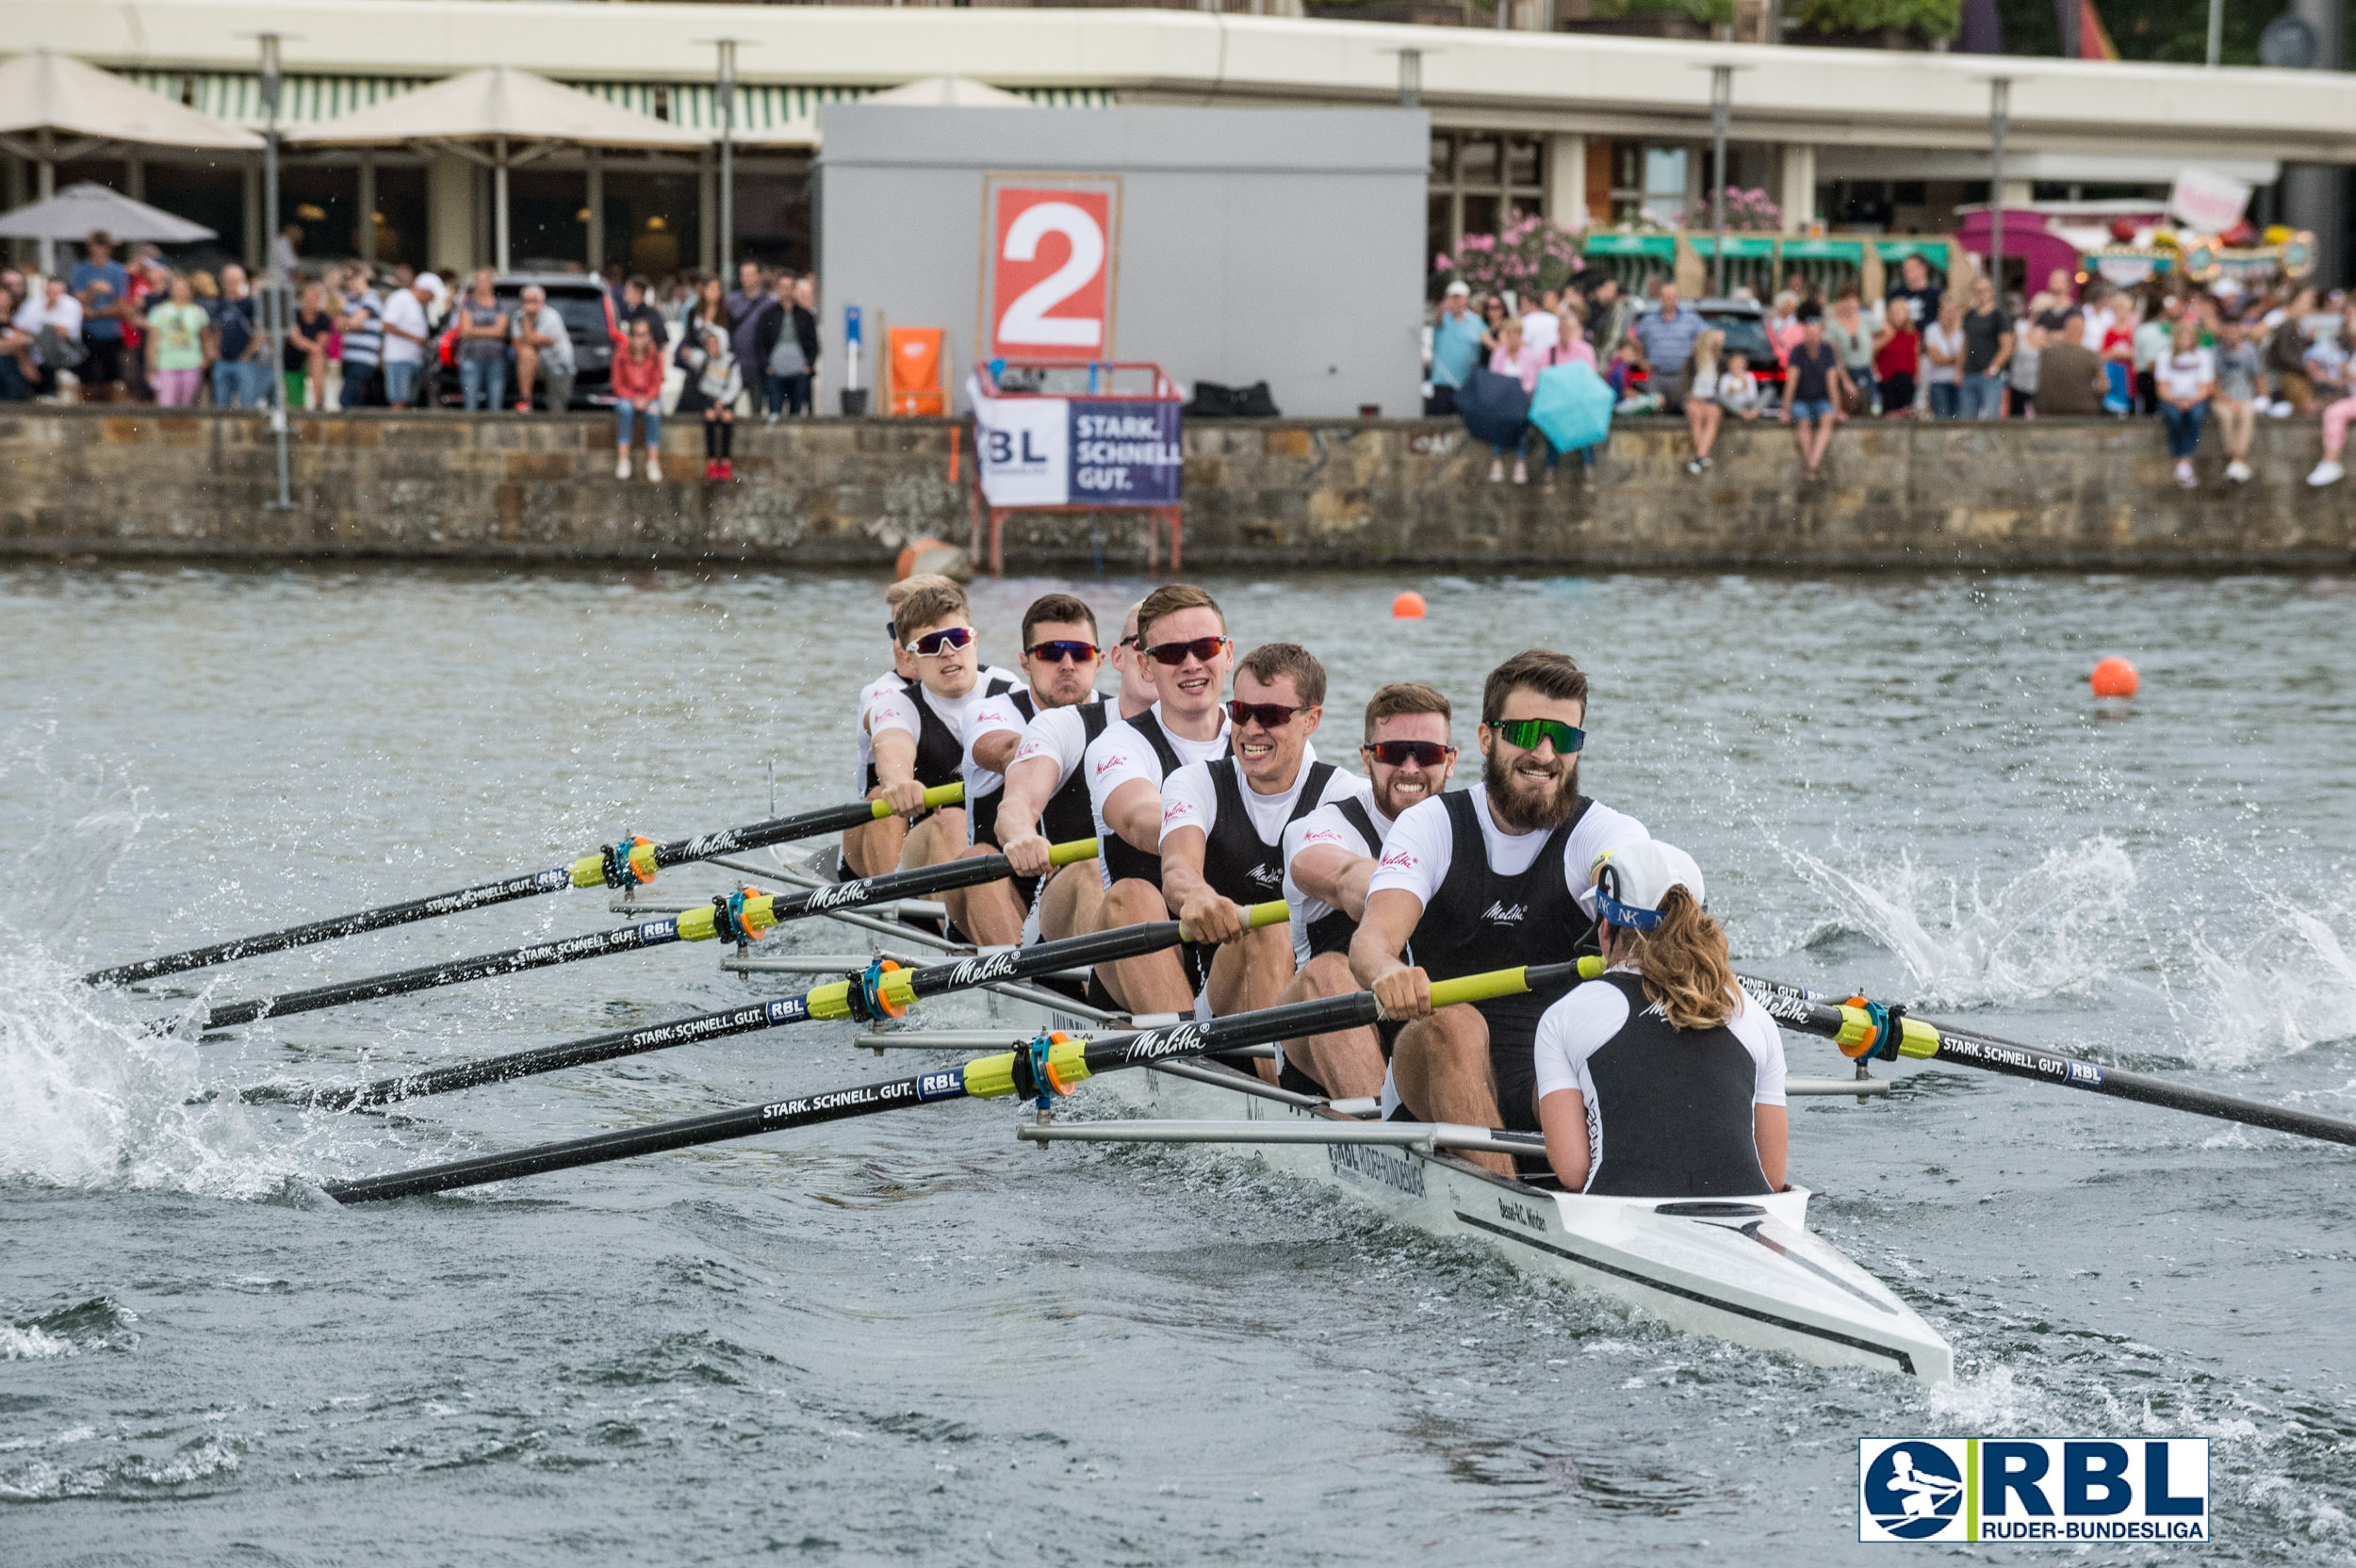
x: 1330, y: 857
x: 1223, y: 824
x: 1187, y: 654
x: 1060, y: 659
x: 918, y: 733
x: 1045, y: 800
x: 1484, y: 880
x: 903, y: 671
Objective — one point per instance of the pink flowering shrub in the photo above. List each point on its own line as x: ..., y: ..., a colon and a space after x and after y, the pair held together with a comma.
x: 1529, y: 254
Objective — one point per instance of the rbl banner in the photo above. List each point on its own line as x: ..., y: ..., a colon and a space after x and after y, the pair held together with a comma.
x: 2062, y: 1490
x: 1050, y: 271
x: 1078, y: 452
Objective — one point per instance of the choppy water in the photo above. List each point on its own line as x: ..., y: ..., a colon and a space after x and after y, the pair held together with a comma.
x: 910, y: 1338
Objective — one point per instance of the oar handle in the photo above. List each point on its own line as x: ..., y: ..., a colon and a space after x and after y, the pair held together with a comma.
x: 1274, y: 912
x: 1077, y: 850
x: 936, y: 797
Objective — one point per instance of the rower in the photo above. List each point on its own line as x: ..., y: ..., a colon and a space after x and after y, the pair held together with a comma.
x: 1187, y: 654
x: 1045, y: 801
x: 1060, y: 658
x: 917, y: 731
x: 1223, y: 823
x: 1329, y: 857
x: 1661, y: 1079
x: 1485, y: 879
x: 878, y: 843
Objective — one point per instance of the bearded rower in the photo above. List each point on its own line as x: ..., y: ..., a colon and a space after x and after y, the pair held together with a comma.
x: 1045, y: 800
x: 1330, y: 857
x: 1188, y: 655
x: 1223, y: 823
x: 1060, y: 658
x: 1487, y: 879
x: 917, y: 732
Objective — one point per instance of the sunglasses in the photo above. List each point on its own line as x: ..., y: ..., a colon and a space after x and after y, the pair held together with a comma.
x: 1268, y: 715
x: 1205, y: 649
x: 1526, y: 734
x: 1397, y: 754
x: 1060, y: 649
x: 933, y: 643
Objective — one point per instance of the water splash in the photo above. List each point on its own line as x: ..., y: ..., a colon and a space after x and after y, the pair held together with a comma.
x: 2053, y: 929
x: 2289, y: 986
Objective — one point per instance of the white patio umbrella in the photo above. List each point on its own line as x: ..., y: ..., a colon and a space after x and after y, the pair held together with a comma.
x: 87, y: 207
x: 953, y: 92
x: 45, y: 97
x: 501, y: 105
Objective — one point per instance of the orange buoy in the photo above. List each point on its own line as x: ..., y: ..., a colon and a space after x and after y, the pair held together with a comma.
x: 1407, y: 606
x: 2115, y: 678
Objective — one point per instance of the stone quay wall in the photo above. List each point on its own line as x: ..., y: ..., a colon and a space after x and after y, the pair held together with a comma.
x: 1260, y: 494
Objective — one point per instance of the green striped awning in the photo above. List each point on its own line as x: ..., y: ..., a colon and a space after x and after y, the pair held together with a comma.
x: 765, y: 112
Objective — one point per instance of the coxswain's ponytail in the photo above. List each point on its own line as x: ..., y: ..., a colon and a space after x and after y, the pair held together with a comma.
x: 1683, y: 963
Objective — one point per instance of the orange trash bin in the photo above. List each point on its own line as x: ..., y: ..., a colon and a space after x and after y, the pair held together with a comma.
x: 919, y: 375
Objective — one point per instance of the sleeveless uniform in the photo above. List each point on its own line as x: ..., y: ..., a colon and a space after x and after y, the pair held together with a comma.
x: 1065, y: 817
x: 1479, y: 920
x: 1669, y: 1110
x: 940, y: 749
x: 1332, y: 931
x: 1122, y: 860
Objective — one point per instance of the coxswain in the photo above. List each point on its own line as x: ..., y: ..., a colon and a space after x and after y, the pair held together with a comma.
x: 1187, y: 655
x: 878, y: 843
x: 1060, y: 660
x: 1223, y: 823
x: 1485, y: 879
x: 1330, y: 857
x: 917, y: 732
x: 1045, y: 801
x: 1661, y: 1079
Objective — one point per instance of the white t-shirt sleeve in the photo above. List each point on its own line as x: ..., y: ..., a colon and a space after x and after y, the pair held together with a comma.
x: 1190, y: 799
x: 1057, y: 732
x: 1759, y: 1035
x: 989, y: 715
x: 1574, y: 1029
x: 894, y: 709
x: 1600, y: 829
x: 1113, y: 758
x: 1416, y: 855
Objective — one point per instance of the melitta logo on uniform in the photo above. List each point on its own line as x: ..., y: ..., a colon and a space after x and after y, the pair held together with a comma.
x: 2048, y: 1489
x: 1396, y: 859
x: 1504, y: 914
x: 1109, y: 764
x: 1265, y: 877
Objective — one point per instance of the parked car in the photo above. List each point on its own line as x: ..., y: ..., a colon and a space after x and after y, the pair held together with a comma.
x: 588, y: 314
x: 1746, y: 326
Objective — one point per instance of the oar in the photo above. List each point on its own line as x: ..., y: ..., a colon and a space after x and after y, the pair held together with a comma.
x: 622, y: 865
x: 1889, y: 1033
x: 884, y: 990
x: 749, y: 914
x: 1048, y: 1066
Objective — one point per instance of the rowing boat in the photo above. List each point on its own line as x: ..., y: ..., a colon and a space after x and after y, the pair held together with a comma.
x: 1750, y: 1271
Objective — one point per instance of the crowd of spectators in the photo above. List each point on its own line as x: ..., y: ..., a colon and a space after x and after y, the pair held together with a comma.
x: 139, y: 330
x: 2185, y: 355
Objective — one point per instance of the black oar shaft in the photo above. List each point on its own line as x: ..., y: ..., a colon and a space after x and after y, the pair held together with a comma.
x: 986, y: 1077
x: 1927, y: 1041
x: 691, y: 925
x: 529, y: 885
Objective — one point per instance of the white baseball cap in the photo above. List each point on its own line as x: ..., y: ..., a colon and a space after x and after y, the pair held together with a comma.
x: 1459, y: 286
x: 431, y: 282
x: 1632, y: 881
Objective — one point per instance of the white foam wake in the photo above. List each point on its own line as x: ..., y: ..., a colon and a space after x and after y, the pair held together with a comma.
x: 2287, y: 984
x: 2058, y: 928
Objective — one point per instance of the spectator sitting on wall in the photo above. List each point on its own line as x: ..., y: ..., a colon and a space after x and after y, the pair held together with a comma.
x: 1737, y: 390
x: 1814, y: 390
x: 1540, y: 328
x: 407, y: 332
x: 1697, y: 388
x: 638, y: 367
x: 1517, y: 359
x: 1609, y: 312
x: 1666, y: 336
x: 1921, y: 296
x: 2182, y: 380
x: 176, y: 347
x: 103, y: 286
x: 1627, y: 364
x: 1988, y: 344
x: 2153, y: 339
x: 2286, y: 332
x: 2330, y: 376
x: 2070, y: 378
x: 1455, y: 348
x: 544, y: 351
x: 2241, y: 386
x: 362, y: 329
x: 1782, y: 325
x: 482, y: 328
x: 2339, y: 413
x: 1897, y: 359
x: 53, y: 322
x: 720, y: 382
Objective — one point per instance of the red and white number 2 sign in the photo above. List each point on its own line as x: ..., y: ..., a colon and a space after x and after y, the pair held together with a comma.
x: 1050, y: 270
